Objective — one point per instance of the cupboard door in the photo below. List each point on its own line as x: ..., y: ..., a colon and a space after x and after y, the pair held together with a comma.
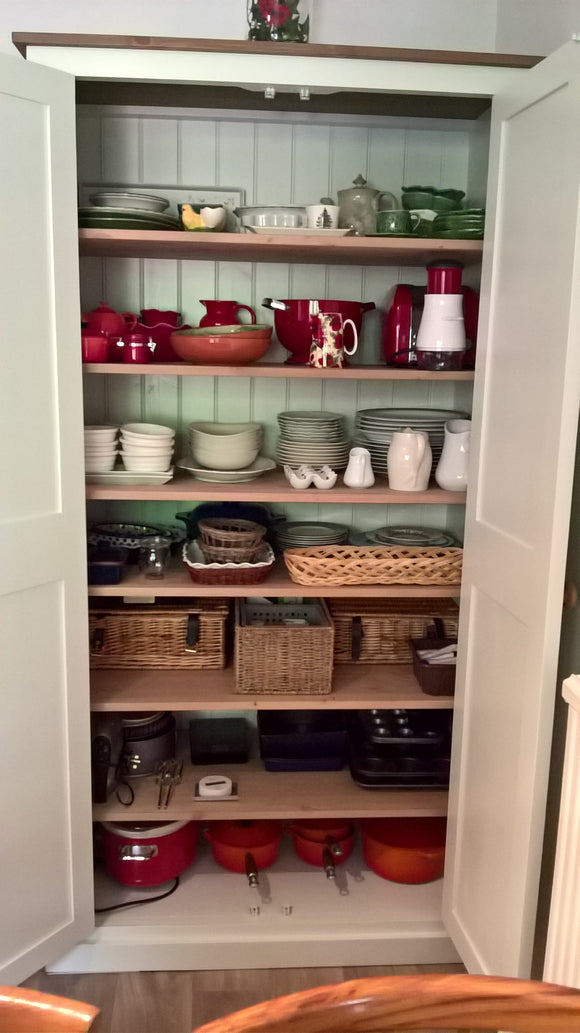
x: 525, y: 420
x: 45, y: 847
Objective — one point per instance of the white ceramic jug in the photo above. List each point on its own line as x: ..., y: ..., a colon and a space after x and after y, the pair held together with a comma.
x: 409, y: 460
x: 359, y: 472
x: 451, y: 472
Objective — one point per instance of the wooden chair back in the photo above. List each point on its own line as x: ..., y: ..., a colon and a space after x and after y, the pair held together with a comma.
x: 31, y: 1011
x: 435, y: 1001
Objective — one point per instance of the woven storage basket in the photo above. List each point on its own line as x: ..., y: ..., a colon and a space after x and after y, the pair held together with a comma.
x: 205, y: 573
x: 276, y: 657
x: 223, y: 533
x: 230, y: 553
x: 176, y: 635
x: 378, y: 631
x: 373, y: 565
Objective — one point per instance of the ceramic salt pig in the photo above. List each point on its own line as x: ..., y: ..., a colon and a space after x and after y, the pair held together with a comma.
x: 409, y: 460
x: 451, y: 472
x: 359, y: 472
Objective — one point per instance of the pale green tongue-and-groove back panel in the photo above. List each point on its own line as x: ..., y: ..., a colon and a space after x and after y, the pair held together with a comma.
x: 273, y: 159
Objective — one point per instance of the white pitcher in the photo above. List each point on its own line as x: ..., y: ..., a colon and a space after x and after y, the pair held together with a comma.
x: 409, y: 460
x: 359, y: 472
x: 451, y: 472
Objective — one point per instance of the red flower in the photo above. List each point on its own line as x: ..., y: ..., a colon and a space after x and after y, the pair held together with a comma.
x: 273, y: 12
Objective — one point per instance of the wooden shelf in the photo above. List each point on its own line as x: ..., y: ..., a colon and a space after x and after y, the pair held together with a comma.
x: 355, y: 687
x: 271, y: 487
x: 278, y: 795
x: 178, y: 583
x: 273, y: 369
x: 249, y: 247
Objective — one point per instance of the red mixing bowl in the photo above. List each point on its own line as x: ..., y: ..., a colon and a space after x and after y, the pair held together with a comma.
x: 292, y: 325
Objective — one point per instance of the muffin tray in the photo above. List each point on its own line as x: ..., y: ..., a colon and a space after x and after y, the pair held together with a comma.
x: 419, y: 760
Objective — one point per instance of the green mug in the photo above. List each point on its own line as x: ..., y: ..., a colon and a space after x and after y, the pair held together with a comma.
x: 397, y: 222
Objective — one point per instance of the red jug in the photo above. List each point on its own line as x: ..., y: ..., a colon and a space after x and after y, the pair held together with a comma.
x: 224, y: 313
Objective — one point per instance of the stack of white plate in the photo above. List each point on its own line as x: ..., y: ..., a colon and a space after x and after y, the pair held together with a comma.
x: 301, y: 534
x: 374, y: 429
x: 422, y: 537
x: 147, y: 447
x: 312, y: 437
x: 100, y: 448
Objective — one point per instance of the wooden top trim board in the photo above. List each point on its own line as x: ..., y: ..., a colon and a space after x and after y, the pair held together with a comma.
x: 23, y: 40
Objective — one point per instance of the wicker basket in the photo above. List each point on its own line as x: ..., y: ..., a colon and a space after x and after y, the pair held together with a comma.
x: 373, y: 565
x: 378, y: 631
x: 275, y: 656
x: 230, y: 553
x: 167, y: 635
x: 204, y: 573
x: 232, y: 533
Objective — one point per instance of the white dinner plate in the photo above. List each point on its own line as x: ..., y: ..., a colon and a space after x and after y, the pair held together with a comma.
x: 128, y: 477
x: 260, y: 465
x: 303, y: 231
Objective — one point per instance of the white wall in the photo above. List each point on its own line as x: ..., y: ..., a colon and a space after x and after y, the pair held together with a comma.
x: 432, y: 24
x: 535, y: 26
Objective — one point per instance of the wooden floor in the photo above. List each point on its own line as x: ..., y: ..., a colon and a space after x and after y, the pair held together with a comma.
x: 177, y: 1002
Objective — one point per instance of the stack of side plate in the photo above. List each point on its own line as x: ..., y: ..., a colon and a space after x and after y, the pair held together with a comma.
x: 464, y: 225
x: 374, y: 429
x: 125, y: 219
x: 421, y: 537
x: 302, y: 534
x: 312, y: 437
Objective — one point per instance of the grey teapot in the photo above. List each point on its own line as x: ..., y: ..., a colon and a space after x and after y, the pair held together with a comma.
x: 359, y: 205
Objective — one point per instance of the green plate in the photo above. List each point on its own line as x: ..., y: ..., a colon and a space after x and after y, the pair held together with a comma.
x: 458, y: 234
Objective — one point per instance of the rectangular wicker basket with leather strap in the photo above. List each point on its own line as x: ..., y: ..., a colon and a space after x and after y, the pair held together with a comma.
x: 379, y: 631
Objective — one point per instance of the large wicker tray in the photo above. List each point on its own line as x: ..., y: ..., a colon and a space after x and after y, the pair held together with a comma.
x: 373, y: 565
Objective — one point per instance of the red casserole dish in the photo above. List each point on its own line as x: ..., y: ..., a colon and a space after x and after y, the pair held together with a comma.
x: 410, y: 850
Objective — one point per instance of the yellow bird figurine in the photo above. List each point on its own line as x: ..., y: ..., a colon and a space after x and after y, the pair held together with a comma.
x: 190, y: 219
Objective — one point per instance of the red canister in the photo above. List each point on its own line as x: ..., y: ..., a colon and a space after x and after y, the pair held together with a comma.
x: 94, y: 345
x: 148, y: 853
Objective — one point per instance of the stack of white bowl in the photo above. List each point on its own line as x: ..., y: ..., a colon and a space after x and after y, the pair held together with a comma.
x: 225, y: 446
x: 147, y: 447
x: 100, y: 448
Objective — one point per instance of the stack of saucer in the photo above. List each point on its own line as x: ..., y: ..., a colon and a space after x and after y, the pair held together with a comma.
x: 300, y: 534
x: 100, y: 449
x: 312, y: 437
x: 147, y: 447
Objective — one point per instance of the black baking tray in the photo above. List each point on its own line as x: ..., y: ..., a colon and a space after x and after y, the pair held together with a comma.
x: 304, y: 763
x: 219, y: 740
x: 300, y: 734
x: 409, y: 764
x: 402, y: 727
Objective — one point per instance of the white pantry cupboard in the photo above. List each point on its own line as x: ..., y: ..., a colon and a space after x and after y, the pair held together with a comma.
x: 525, y: 411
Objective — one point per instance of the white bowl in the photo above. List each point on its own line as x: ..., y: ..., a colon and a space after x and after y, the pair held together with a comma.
x: 105, y: 450
x: 100, y: 434
x: 146, y: 464
x: 229, y: 459
x: 99, y: 464
x: 223, y: 430
x: 146, y: 430
x: 153, y: 447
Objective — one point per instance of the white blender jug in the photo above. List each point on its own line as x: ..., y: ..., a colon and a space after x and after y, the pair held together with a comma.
x: 441, y: 340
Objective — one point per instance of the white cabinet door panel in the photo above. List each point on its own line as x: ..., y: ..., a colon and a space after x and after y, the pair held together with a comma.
x: 525, y: 420
x: 45, y: 846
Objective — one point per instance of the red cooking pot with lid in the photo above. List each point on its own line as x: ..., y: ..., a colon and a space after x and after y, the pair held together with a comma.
x: 235, y: 844
x: 317, y: 830
x: 292, y: 323
x: 407, y: 850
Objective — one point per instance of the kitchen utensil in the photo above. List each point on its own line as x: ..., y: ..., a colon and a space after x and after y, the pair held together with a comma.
x: 154, y: 553
x: 445, y: 200
x: 220, y: 313
x: 241, y: 510
x: 136, y: 347
x: 110, y: 322
x: 151, y: 316
x: 434, y: 679
x: 324, y: 855
x: 359, y: 472
x: 292, y: 323
x: 105, y: 566
x: 327, y: 348
x: 169, y: 774
x: 159, y: 331
x: 409, y: 460
x: 148, y: 853
x: 452, y: 469
x: 359, y: 205
x: 303, y: 740
x: 322, y: 216
x: 409, y: 850
x: 244, y: 846
x: 221, y: 348
x: 402, y: 319
x: 118, y: 199
x: 207, y: 218
x: 94, y: 345
x: 219, y: 740
x: 396, y: 222
x: 271, y: 216
x: 261, y: 465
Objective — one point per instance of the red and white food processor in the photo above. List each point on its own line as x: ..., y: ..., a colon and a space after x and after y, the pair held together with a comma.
x: 432, y: 327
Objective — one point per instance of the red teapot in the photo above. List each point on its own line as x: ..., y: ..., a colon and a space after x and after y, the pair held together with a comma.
x: 110, y: 322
